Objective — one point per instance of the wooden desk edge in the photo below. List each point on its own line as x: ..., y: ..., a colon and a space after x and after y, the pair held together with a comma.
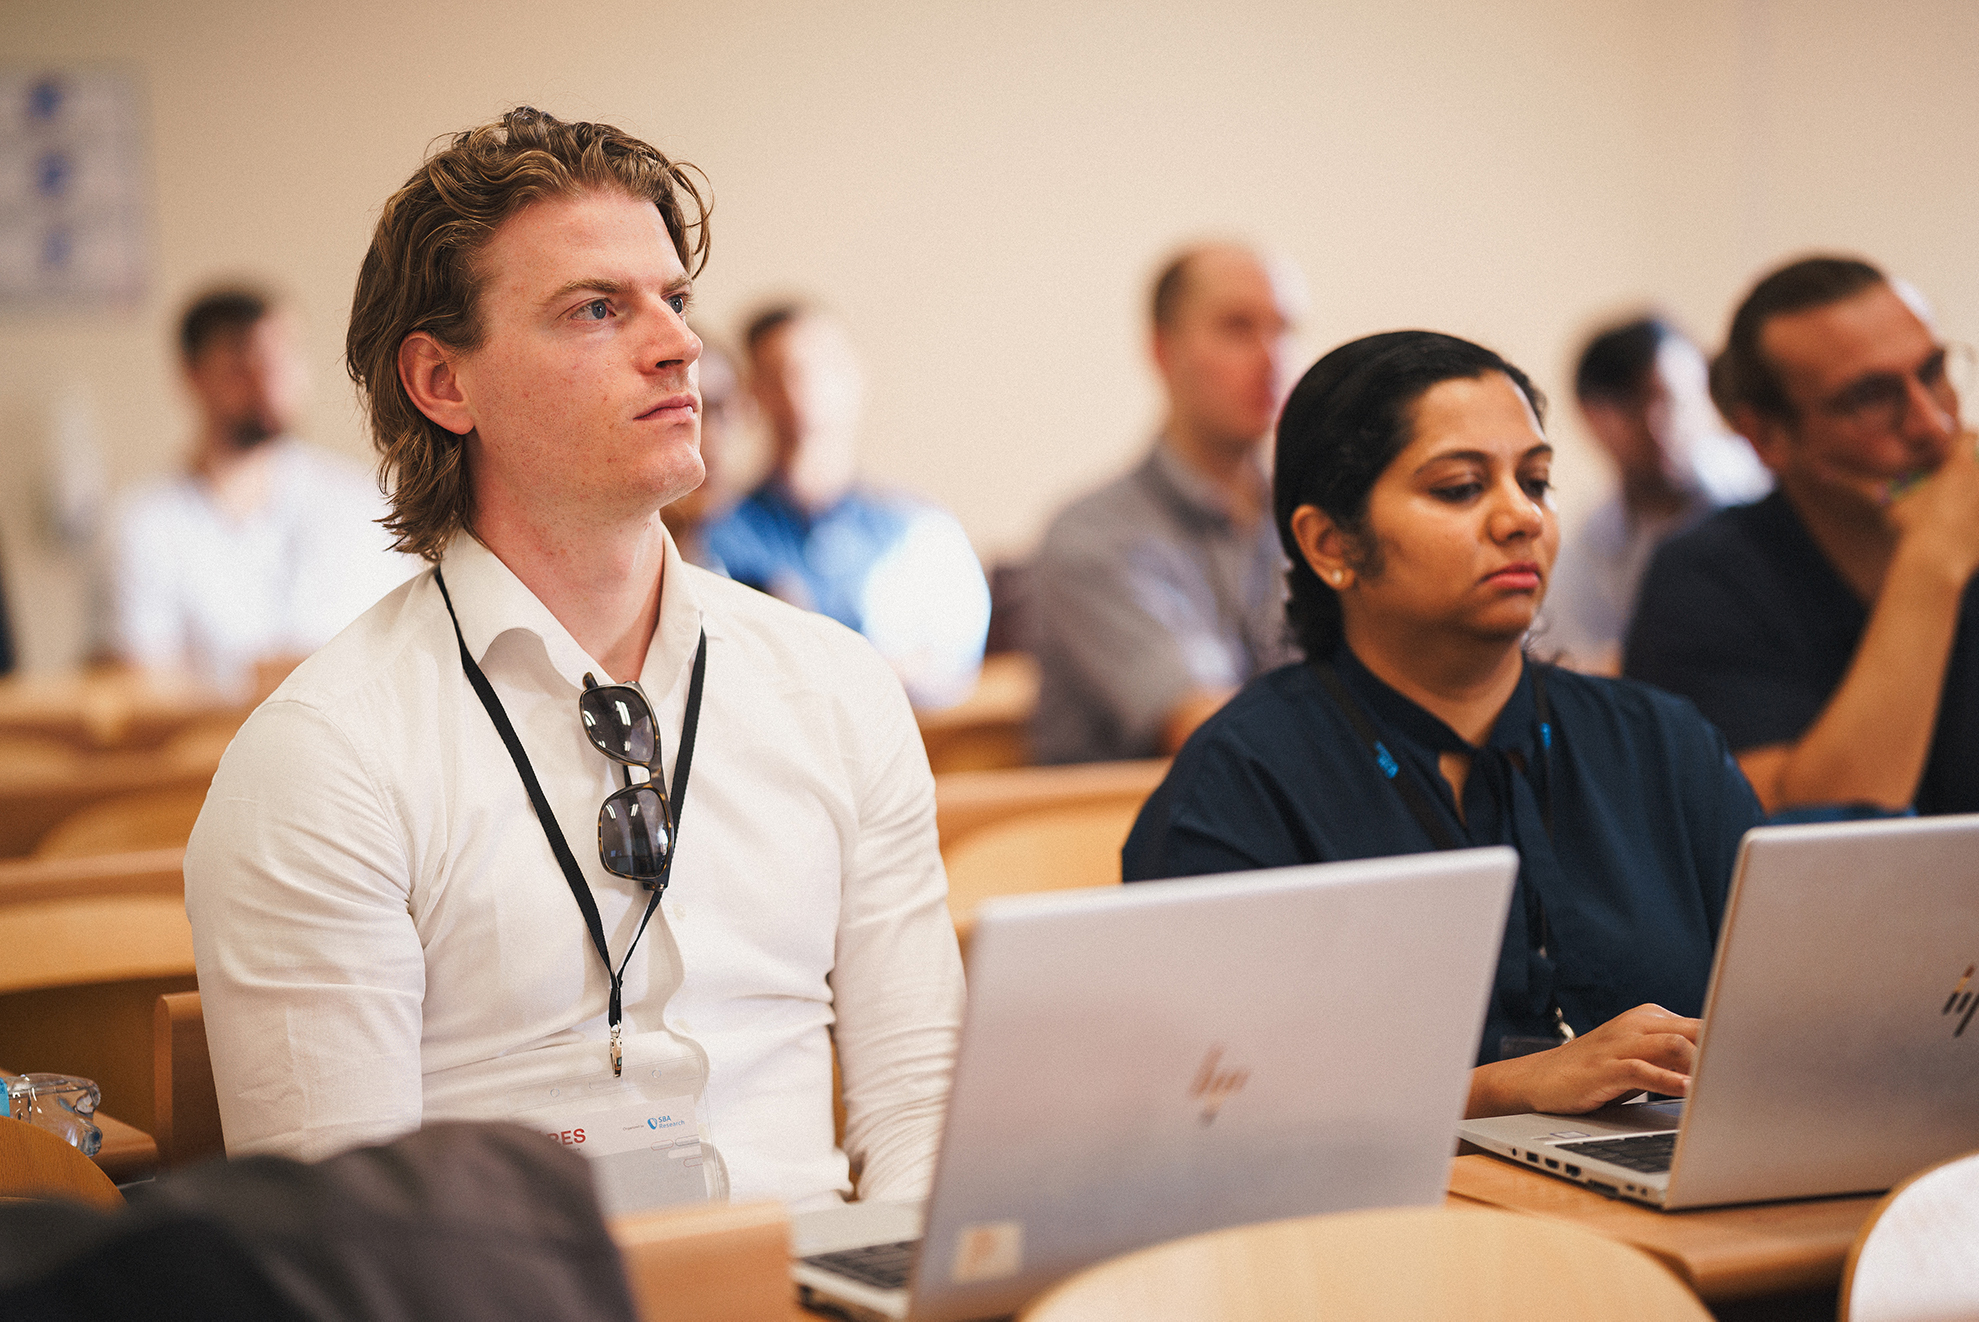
x: 1804, y: 1258
x: 128, y: 1153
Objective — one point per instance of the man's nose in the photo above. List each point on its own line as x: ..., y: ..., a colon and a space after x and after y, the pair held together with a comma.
x: 669, y: 340
x: 1927, y: 415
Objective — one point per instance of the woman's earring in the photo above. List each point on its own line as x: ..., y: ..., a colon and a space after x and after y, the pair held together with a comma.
x: 1337, y: 578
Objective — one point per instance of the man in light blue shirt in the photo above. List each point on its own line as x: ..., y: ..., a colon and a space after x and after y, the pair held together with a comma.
x: 897, y: 569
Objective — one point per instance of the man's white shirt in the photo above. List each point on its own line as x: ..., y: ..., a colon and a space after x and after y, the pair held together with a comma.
x: 383, y: 935
x: 191, y: 585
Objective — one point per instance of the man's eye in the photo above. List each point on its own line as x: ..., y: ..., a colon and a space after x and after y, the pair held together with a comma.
x: 596, y: 310
x: 678, y: 302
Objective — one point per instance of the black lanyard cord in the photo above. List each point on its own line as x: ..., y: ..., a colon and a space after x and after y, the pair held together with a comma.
x: 1417, y: 800
x: 1414, y: 797
x: 579, y: 888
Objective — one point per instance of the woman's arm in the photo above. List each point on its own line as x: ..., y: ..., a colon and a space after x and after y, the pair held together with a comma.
x: 1646, y: 1049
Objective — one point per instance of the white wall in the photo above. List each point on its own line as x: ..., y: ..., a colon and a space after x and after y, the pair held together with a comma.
x: 983, y: 190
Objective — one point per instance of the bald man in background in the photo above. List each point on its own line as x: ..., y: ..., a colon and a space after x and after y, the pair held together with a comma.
x: 1159, y: 594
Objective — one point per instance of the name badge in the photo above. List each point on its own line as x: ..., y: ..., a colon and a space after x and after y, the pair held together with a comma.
x: 647, y: 1149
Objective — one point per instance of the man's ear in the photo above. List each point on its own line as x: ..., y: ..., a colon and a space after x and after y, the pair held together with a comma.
x: 1159, y: 351
x: 1769, y: 436
x: 1324, y: 545
x: 426, y: 370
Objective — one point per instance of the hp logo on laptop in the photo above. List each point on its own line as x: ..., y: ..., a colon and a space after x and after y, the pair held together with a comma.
x: 1963, y: 1001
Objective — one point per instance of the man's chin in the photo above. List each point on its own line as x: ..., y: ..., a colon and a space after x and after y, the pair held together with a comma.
x: 251, y: 434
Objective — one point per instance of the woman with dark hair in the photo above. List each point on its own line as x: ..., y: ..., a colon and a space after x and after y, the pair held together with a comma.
x: 1411, y: 493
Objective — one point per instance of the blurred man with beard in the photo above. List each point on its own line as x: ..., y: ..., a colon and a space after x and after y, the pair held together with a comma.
x: 263, y: 548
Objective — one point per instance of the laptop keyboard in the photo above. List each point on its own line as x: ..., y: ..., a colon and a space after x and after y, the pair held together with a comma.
x: 882, y: 1266
x: 1648, y: 1153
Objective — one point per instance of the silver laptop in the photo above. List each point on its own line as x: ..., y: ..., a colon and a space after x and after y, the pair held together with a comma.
x: 1149, y: 1061
x: 1837, y: 1053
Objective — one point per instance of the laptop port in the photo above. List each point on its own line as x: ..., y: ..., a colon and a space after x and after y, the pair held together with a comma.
x: 1552, y: 1164
x: 1572, y: 1169
x: 1532, y: 1157
x: 1604, y: 1189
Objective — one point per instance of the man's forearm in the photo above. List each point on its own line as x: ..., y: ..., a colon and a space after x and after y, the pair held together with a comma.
x: 1870, y: 741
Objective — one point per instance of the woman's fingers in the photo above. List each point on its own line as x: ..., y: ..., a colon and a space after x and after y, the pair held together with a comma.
x: 1646, y: 1049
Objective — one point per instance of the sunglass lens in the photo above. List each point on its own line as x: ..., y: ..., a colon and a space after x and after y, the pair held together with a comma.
x: 634, y: 834
x: 618, y: 722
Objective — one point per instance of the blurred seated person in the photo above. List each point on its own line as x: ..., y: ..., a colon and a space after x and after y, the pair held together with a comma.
x: 897, y: 569
x: 1411, y: 490
x: 263, y: 548
x: 1157, y: 595
x: 722, y: 403
x: 1641, y: 388
x: 1832, y: 629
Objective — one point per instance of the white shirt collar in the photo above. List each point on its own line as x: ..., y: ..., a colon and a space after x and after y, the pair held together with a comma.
x: 490, y: 602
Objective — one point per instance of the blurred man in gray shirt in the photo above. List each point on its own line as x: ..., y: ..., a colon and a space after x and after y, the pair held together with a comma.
x: 1162, y: 592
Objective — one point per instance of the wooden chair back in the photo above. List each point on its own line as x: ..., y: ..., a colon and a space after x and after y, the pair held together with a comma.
x: 989, y: 728
x: 967, y: 801
x: 1419, y: 1264
x: 143, y: 819
x: 1046, y: 849
x: 185, y: 1105
x: 36, y: 1164
x: 91, y: 944
x: 35, y: 797
x: 729, y: 1263
x: 1916, y: 1258
x: 117, y: 707
x: 141, y: 872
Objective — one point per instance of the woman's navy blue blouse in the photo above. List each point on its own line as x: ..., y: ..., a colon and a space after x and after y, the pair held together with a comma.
x: 1618, y: 905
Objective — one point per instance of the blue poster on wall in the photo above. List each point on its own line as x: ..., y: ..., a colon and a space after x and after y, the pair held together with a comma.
x: 72, y: 186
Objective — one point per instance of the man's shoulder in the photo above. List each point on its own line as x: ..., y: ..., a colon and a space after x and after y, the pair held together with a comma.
x: 1111, y: 515
x: 1278, y: 707
x: 166, y: 498
x: 313, y: 483
x: 784, y: 637
x: 1626, y: 707
x: 366, y: 662
x: 1727, y: 539
x: 313, y: 461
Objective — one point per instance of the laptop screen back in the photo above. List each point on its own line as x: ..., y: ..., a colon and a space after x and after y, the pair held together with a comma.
x: 1151, y: 1061
x: 1835, y: 1057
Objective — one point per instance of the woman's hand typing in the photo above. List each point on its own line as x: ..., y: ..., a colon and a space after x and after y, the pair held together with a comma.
x: 1646, y: 1049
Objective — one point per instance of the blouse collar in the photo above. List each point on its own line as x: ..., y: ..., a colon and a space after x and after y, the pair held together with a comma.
x: 1512, y: 732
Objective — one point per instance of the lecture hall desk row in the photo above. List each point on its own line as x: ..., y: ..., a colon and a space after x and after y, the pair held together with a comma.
x: 1724, y: 1254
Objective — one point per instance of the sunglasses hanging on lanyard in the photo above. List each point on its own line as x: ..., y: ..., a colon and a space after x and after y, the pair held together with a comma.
x: 637, y: 825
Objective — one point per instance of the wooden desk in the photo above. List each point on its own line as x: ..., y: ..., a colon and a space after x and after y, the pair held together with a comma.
x: 1723, y: 1253
x: 127, y: 1154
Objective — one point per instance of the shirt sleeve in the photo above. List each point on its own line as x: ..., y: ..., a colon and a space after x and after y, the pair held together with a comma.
x: 1137, y: 627
x: 897, y: 975
x: 1708, y: 635
x: 926, y: 608
x: 311, y: 971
